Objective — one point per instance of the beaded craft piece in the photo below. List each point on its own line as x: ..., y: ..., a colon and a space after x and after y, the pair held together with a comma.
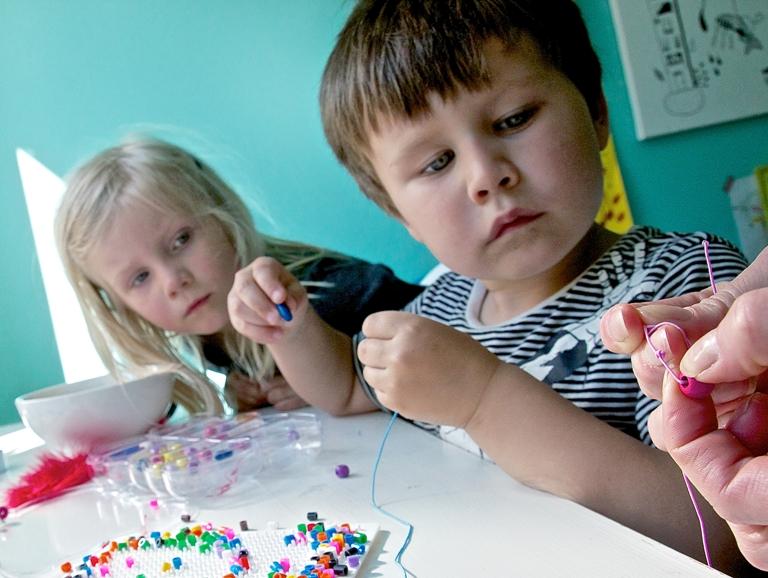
x: 309, y: 550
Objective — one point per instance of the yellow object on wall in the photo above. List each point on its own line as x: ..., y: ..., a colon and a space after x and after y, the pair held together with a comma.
x: 761, y: 174
x: 614, y: 213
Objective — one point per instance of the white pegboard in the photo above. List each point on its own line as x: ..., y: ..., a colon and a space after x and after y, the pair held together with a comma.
x: 266, y: 550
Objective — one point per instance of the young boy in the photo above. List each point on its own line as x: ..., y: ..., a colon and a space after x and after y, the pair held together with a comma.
x: 478, y: 124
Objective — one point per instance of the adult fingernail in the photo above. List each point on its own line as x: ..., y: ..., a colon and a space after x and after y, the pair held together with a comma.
x: 617, y: 327
x: 701, y: 356
x: 659, y: 313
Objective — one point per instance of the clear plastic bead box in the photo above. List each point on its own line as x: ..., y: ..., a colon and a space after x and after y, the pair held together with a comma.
x: 208, y: 456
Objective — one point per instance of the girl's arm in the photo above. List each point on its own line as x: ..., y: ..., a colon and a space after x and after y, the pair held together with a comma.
x: 317, y: 361
x: 314, y: 358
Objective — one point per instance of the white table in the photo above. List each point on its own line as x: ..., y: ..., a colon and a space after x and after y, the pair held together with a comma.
x: 470, y: 518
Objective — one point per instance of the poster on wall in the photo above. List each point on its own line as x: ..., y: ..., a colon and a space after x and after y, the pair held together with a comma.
x: 692, y: 63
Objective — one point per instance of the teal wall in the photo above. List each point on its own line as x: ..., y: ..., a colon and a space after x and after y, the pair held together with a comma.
x: 236, y: 81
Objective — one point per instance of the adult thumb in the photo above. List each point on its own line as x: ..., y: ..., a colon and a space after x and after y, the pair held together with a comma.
x: 737, y: 348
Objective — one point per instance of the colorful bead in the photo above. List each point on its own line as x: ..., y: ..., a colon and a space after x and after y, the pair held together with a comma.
x: 342, y: 471
x: 694, y: 388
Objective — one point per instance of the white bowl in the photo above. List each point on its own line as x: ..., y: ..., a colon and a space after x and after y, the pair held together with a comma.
x: 92, y: 414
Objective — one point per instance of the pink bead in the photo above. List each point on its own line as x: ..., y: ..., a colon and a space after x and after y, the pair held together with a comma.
x: 694, y: 388
x: 153, y: 503
x: 129, y: 561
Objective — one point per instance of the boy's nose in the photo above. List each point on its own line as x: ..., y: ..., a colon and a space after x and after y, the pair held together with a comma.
x: 491, y: 176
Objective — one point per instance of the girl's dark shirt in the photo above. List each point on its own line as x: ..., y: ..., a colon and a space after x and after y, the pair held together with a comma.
x: 355, y: 289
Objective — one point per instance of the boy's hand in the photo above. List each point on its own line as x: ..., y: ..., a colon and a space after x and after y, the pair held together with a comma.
x: 251, y: 394
x: 424, y: 369
x: 255, y: 294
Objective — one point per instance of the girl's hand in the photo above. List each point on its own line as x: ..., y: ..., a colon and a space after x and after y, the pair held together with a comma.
x: 424, y: 369
x: 251, y: 394
x: 255, y: 294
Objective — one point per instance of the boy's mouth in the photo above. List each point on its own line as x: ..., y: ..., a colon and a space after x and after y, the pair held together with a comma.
x: 197, y: 303
x: 514, y: 219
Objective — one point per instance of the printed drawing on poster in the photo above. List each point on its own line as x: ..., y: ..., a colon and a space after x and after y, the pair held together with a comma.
x: 692, y: 63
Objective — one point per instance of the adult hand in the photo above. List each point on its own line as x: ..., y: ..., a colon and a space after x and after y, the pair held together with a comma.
x: 252, y: 301
x: 424, y: 369
x: 728, y: 466
x: 696, y: 314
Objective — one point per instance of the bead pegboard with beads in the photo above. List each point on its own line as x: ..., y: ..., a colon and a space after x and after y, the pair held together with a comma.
x: 310, y: 549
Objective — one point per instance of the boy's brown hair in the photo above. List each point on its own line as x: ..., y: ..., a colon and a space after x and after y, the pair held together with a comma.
x: 392, y: 54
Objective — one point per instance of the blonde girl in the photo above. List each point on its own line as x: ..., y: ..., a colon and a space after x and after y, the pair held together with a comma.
x: 151, y: 238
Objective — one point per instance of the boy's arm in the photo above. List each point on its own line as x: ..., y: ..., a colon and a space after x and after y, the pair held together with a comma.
x: 430, y: 372
x: 550, y: 444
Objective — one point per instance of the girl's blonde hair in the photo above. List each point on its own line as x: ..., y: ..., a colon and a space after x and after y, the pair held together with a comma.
x: 171, y: 180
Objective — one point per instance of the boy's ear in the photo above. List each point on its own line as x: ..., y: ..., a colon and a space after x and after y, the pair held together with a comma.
x: 600, y: 122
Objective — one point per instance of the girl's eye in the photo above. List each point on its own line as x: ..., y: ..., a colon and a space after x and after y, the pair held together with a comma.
x: 514, y: 121
x: 181, y: 240
x: 440, y: 162
x: 139, y: 279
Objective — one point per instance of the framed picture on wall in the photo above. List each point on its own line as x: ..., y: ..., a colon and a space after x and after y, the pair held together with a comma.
x: 692, y: 63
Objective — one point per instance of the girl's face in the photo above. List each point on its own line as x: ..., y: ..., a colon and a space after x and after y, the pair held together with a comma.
x: 173, y: 270
x: 500, y: 183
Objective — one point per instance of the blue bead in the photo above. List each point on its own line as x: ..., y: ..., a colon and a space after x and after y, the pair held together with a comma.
x: 284, y: 312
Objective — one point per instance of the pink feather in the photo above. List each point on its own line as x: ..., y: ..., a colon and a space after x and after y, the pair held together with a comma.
x: 52, y: 476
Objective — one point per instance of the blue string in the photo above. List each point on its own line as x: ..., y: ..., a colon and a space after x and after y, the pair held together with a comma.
x: 399, y: 556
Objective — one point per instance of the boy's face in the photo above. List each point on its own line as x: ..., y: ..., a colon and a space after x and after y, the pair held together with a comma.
x: 500, y: 184
x: 172, y: 270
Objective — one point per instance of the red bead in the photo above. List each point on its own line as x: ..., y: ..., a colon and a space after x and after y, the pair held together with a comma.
x: 3, y: 513
x: 694, y: 388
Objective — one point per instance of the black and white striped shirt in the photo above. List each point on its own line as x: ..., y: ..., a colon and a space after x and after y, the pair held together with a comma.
x: 558, y: 341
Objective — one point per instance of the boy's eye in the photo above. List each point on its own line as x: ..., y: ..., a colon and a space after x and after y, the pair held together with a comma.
x: 181, y: 239
x: 442, y: 161
x: 513, y: 121
x: 139, y: 279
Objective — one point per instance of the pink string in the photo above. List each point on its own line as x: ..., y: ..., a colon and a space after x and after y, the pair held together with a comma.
x: 650, y: 330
